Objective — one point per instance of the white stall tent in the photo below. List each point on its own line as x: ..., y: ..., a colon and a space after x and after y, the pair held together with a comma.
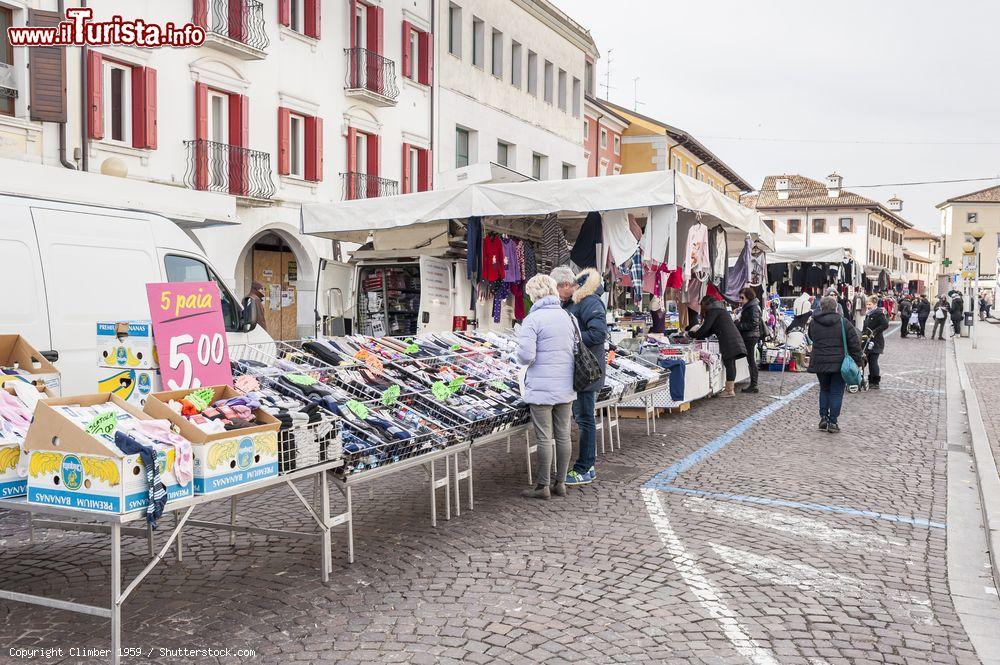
x: 809, y: 255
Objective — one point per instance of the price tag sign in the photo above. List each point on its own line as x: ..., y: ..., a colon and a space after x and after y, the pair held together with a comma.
x: 190, y: 334
x: 103, y: 425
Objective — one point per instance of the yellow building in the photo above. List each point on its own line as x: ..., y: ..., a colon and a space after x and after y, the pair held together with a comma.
x: 651, y: 145
x: 960, y: 216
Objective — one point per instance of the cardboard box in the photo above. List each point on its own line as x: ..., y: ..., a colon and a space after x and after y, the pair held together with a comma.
x: 16, y: 352
x: 132, y: 385
x: 11, y: 483
x: 68, y: 467
x: 224, y: 459
x: 126, y: 344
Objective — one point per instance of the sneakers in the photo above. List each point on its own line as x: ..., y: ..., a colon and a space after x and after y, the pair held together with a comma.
x: 536, y: 493
x: 833, y: 428
x: 824, y: 424
x: 750, y: 389
x: 575, y: 479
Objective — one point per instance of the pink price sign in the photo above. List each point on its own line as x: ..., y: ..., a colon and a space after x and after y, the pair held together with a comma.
x: 190, y: 334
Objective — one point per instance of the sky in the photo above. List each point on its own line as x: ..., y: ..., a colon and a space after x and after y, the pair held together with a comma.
x: 880, y: 91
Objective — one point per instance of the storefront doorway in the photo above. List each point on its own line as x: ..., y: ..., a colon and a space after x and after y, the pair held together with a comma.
x: 275, y: 266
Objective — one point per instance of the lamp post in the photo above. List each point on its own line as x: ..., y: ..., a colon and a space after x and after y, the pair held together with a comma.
x: 977, y: 235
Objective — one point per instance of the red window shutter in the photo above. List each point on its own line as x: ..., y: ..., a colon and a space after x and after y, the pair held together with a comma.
x: 312, y: 18
x: 375, y: 19
x: 200, y: 16
x: 407, y: 56
x: 284, y: 141
x: 352, y: 163
x: 424, y: 171
x: 238, y: 20
x: 352, y: 8
x: 405, y: 171
x: 201, y: 133
x: 239, y: 138
x: 285, y: 12
x: 314, y: 149
x: 426, y: 46
x: 374, y: 167
x: 95, y: 84
x: 144, y: 107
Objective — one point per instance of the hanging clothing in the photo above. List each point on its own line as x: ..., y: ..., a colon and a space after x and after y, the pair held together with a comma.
x: 517, y: 290
x: 530, y: 265
x: 618, y: 236
x: 584, y: 252
x: 492, y: 264
x: 635, y: 272
x: 696, y: 260
x: 555, y: 250
x: 660, y: 226
x: 776, y: 273
x: 511, y: 263
x: 758, y: 268
x: 814, y: 276
x: 739, y: 275
x: 848, y: 268
x: 473, y: 248
x: 718, y: 255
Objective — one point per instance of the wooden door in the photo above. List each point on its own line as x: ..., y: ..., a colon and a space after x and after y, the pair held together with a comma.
x: 277, y: 270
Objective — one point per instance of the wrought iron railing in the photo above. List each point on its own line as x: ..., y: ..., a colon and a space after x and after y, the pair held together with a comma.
x: 364, y: 186
x: 368, y: 70
x: 8, y: 81
x: 219, y: 167
x: 239, y: 20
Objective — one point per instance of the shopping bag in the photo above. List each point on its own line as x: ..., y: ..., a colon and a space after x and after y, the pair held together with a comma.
x: 586, y: 368
x: 849, y: 369
x: 914, y: 319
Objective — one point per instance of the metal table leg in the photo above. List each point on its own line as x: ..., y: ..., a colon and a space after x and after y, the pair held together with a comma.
x: 116, y: 592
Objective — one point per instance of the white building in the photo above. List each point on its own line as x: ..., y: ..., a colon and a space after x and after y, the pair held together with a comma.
x: 805, y: 213
x: 287, y: 102
x: 510, y: 90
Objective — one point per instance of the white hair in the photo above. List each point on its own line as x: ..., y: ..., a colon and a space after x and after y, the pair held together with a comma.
x: 563, y: 275
x: 540, y: 286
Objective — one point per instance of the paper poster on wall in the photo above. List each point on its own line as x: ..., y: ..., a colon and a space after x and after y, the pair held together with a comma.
x: 268, y: 274
x: 287, y: 297
x: 274, y: 296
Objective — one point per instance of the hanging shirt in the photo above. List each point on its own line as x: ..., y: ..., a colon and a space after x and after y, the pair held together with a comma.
x: 511, y: 263
x: 473, y: 248
x: 618, y: 236
x: 492, y: 265
x: 584, y: 252
x: 530, y: 266
x: 739, y: 275
x: 555, y: 250
x: 718, y: 253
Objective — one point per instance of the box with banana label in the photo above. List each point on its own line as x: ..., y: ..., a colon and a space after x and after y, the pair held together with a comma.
x: 13, y: 460
x: 126, y: 345
x: 19, y: 361
x: 224, y: 459
x: 132, y: 385
x: 71, y: 467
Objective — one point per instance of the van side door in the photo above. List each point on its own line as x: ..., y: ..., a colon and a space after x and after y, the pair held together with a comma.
x: 25, y: 308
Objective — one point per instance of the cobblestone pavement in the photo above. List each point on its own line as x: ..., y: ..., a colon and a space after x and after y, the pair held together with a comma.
x: 635, y: 568
x: 985, y: 378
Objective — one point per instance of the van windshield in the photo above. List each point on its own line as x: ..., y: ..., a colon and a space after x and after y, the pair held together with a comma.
x: 188, y: 269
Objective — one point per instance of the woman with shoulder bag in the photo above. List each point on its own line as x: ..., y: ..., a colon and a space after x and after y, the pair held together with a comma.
x: 941, y: 313
x: 832, y: 342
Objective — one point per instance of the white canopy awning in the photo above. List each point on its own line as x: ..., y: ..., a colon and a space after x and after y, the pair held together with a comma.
x: 353, y: 220
x: 808, y: 254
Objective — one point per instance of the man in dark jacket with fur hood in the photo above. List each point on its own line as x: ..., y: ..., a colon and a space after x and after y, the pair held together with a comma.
x: 586, y: 305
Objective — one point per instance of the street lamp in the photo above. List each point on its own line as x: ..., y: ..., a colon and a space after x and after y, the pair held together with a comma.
x: 977, y: 235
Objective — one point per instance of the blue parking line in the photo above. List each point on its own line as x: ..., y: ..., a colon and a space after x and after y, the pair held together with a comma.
x: 668, y: 475
x: 915, y: 521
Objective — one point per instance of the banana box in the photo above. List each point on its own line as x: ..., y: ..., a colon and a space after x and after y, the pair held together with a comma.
x: 126, y: 345
x: 70, y: 468
x: 224, y: 459
x: 132, y: 385
x: 13, y: 483
x: 19, y: 361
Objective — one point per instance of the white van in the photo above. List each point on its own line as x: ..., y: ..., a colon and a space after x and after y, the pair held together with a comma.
x: 66, y: 266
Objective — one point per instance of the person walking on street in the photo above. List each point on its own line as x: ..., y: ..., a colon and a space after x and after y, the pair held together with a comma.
x: 585, y: 304
x: 923, y: 309
x: 941, y: 314
x: 876, y: 323
x: 750, y: 326
x: 828, y: 332
x: 545, y: 345
x: 717, y: 321
x: 957, y: 314
x: 905, y: 309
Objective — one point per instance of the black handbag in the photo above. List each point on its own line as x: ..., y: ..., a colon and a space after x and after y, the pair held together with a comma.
x: 586, y: 368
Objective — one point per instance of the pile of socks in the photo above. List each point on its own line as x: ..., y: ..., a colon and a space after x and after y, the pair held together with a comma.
x: 224, y: 415
x: 148, y: 438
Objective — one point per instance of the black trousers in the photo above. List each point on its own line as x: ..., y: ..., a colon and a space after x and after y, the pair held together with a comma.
x: 956, y: 324
x: 751, y: 345
x: 922, y: 321
x: 874, y: 373
x: 730, y: 365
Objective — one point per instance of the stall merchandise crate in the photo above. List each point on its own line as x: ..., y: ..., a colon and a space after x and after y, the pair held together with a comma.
x: 26, y: 364
x: 126, y: 345
x: 12, y: 483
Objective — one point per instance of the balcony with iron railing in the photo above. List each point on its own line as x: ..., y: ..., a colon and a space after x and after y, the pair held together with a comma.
x: 236, y: 27
x: 364, y: 186
x: 371, y: 77
x: 229, y: 169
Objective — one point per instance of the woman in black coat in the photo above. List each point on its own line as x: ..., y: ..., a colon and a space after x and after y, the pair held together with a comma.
x: 717, y: 321
x: 957, y: 314
x: 828, y: 331
x: 750, y: 327
x: 876, y: 323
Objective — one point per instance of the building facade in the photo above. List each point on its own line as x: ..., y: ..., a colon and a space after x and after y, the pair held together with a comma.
x: 806, y: 213
x: 927, y: 247
x: 652, y: 145
x: 603, y: 130
x: 960, y: 216
x: 287, y: 102
x: 509, y: 90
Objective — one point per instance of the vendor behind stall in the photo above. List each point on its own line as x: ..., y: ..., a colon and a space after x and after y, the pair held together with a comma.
x: 659, y: 315
x: 718, y: 322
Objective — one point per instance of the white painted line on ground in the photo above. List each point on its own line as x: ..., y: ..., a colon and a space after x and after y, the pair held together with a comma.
x: 699, y: 584
x: 796, y: 525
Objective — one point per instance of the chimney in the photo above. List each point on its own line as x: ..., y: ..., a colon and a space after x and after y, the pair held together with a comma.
x: 783, y: 185
x: 895, y: 204
x: 833, y: 184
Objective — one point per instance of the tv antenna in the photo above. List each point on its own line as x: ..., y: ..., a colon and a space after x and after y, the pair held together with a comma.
x: 635, y: 94
x: 607, y: 74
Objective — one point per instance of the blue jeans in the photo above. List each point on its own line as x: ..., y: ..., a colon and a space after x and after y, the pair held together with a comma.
x: 583, y: 414
x: 831, y: 395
